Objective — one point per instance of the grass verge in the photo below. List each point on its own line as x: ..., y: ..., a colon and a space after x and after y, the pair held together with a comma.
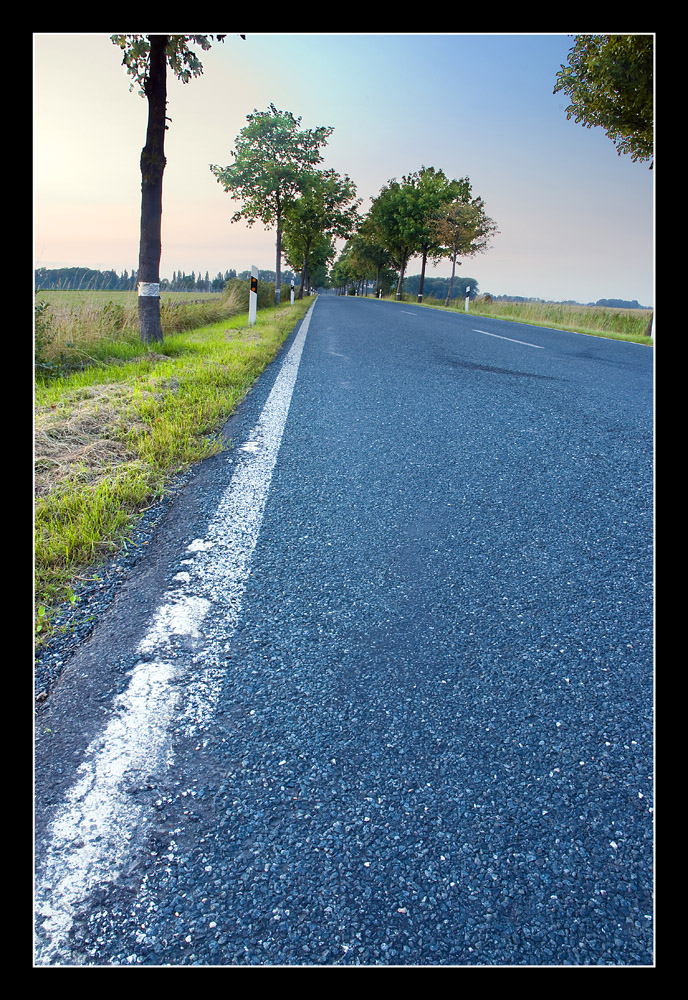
x: 111, y: 434
x: 596, y: 321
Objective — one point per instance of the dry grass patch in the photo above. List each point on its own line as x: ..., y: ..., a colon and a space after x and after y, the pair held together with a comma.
x: 80, y: 438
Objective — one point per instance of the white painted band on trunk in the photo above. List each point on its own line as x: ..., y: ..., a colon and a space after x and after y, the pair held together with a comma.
x: 149, y: 289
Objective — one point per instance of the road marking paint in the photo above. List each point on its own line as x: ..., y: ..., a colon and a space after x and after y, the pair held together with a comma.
x: 89, y: 837
x: 513, y: 341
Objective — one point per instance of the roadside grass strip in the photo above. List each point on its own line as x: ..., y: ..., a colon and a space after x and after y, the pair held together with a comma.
x: 110, y: 438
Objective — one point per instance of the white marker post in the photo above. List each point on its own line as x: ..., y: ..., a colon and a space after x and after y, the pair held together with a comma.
x: 253, y: 296
x: 468, y: 289
x: 292, y: 291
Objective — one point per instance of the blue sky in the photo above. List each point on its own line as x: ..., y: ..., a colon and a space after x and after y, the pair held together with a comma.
x: 576, y: 221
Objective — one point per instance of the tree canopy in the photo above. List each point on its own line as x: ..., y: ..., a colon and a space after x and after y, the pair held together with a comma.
x: 324, y: 212
x: 425, y: 215
x: 397, y: 221
x: 182, y: 60
x: 609, y: 81
x: 271, y: 155
x: 462, y: 229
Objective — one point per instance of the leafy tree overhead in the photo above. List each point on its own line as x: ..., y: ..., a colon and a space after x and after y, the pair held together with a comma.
x: 146, y: 58
x: 608, y: 80
x: 271, y: 155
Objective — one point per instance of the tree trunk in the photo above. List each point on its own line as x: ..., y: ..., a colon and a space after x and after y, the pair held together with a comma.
x: 400, y: 282
x: 278, y: 262
x: 304, y: 270
x: 152, y: 168
x: 422, y: 276
x: 302, y: 281
x: 451, y: 282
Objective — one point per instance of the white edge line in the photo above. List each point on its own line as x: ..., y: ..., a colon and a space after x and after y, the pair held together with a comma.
x: 90, y: 833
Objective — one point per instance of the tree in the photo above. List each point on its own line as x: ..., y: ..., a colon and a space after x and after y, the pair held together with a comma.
x: 346, y: 270
x: 270, y: 156
x: 146, y: 58
x: 608, y: 80
x: 403, y: 219
x: 371, y: 256
x: 433, y: 191
x: 324, y: 212
x: 397, y: 222
x: 463, y: 229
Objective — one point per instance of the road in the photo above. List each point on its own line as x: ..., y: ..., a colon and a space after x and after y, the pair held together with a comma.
x: 381, y: 692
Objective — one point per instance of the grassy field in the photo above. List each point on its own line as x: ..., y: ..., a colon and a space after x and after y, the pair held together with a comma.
x: 115, y: 421
x: 597, y: 321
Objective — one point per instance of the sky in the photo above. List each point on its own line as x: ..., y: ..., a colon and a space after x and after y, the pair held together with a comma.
x: 575, y: 219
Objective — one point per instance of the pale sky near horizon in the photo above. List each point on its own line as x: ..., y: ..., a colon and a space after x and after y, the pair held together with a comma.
x: 576, y: 220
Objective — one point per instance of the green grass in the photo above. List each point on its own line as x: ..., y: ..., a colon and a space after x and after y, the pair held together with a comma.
x: 597, y: 321
x: 115, y: 422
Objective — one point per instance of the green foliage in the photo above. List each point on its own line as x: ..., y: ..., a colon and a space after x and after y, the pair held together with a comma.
x: 462, y: 228
x: 608, y: 80
x: 271, y: 154
x: 271, y: 157
x: 426, y: 215
x: 181, y: 59
x: 395, y: 220
x: 322, y: 213
x: 433, y: 193
x: 365, y: 257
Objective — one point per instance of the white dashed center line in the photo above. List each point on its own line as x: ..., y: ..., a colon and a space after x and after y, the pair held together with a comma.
x: 512, y: 339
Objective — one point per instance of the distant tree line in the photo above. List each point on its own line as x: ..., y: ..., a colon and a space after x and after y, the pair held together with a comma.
x: 78, y: 278
x: 183, y: 282
x: 269, y: 276
x: 88, y: 279
x: 620, y: 304
x: 608, y: 303
x: 438, y: 288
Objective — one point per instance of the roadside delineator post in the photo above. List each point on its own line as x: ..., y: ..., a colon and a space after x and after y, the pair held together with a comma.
x: 253, y: 295
x: 468, y: 290
x: 292, y: 291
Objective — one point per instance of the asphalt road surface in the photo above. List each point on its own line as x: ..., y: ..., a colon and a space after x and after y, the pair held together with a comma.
x: 381, y: 692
